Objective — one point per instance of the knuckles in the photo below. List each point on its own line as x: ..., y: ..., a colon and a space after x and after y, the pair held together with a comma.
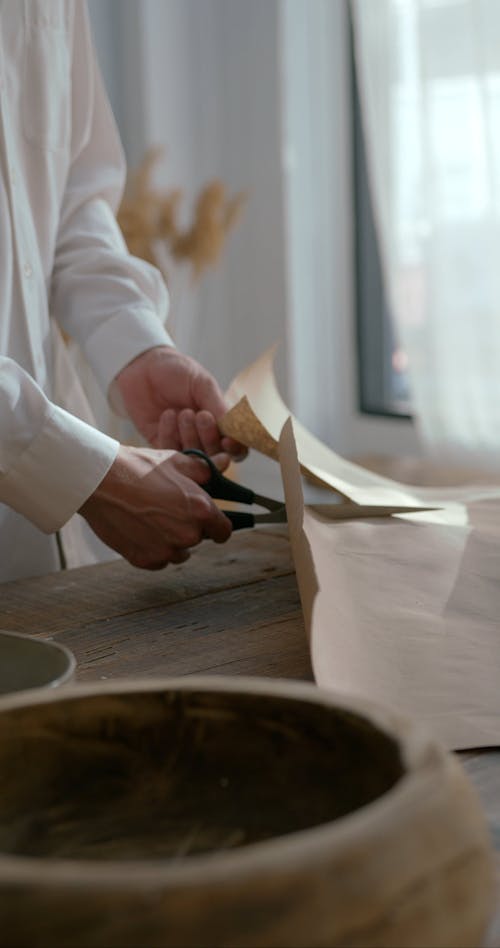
x: 202, y: 507
x: 143, y: 559
x: 147, y: 562
x: 189, y: 535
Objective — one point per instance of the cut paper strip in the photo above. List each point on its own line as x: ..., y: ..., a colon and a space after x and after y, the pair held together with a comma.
x: 257, y: 416
x: 404, y: 613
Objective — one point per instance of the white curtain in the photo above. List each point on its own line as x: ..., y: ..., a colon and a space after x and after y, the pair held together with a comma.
x: 429, y: 79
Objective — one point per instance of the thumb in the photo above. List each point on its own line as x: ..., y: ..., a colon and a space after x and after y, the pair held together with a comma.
x: 208, y: 396
x: 221, y: 461
x: 197, y: 469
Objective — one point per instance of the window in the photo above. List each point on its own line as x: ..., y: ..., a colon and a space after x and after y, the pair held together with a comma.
x: 321, y: 270
x: 382, y: 363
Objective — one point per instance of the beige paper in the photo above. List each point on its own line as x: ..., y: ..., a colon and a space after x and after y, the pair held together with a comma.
x: 405, y: 614
x: 257, y: 415
x: 404, y: 610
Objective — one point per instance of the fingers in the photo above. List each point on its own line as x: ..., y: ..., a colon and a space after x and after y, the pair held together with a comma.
x: 235, y: 449
x: 151, y: 509
x: 190, y: 429
x: 195, y: 518
x: 210, y: 520
x: 221, y: 461
x: 156, y: 560
x: 196, y: 468
x: 174, y: 402
x: 168, y: 431
x: 212, y: 523
x: 207, y: 394
x: 208, y: 432
x: 199, y: 430
x: 216, y: 526
x: 213, y: 441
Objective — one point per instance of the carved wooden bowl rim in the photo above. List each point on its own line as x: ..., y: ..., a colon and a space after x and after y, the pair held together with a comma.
x: 430, y: 775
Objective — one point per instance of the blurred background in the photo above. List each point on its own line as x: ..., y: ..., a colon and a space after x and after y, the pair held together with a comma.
x: 261, y: 96
x: 264, y: 96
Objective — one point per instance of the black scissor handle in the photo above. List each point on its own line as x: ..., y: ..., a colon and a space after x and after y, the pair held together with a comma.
x: 239, y: 519
x: 221, y: 488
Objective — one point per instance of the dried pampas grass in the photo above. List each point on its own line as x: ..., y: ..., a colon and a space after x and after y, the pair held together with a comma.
x: 149, y: 220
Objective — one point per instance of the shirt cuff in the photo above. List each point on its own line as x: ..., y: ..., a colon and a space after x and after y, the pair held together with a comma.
x: 120, y: 339
x: 59, y: 470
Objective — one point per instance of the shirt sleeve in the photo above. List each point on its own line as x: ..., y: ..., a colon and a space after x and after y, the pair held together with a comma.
x: 38, y: 460
x: 113, y: 304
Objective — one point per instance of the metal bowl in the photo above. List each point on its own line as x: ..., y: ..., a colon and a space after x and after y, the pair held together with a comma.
x: 28, y: 662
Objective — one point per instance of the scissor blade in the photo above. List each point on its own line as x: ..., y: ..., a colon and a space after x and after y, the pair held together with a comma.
x: 274, y: 516
x: 352, y: 511
x: 268, y: 502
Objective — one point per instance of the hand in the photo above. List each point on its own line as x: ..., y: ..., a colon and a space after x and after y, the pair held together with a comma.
x: 150, y: 509
x: 175, y: 403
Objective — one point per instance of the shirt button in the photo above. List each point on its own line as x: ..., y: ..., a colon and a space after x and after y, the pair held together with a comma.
x: 28, y: 270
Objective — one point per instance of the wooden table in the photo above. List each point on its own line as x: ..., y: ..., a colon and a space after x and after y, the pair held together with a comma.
x: 230, y: 610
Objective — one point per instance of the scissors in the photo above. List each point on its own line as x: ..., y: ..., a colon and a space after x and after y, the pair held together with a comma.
x: 221, y: 488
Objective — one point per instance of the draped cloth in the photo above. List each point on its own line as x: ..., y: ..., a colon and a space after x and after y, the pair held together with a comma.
x: 428, y: 73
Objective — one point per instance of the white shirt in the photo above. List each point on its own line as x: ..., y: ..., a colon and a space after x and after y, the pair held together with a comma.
x: 62, y: 262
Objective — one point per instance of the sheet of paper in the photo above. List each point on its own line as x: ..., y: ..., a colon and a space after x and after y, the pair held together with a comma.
x: 403, y: 610
x: 257, y: 415
x: 406, y: 614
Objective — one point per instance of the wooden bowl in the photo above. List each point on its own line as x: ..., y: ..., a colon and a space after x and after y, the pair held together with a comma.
x: 232, y: 812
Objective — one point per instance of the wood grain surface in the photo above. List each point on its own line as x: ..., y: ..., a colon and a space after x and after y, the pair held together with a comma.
x: 228, y: 610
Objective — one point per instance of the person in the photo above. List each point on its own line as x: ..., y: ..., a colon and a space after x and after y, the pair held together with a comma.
x: 64, y: 268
